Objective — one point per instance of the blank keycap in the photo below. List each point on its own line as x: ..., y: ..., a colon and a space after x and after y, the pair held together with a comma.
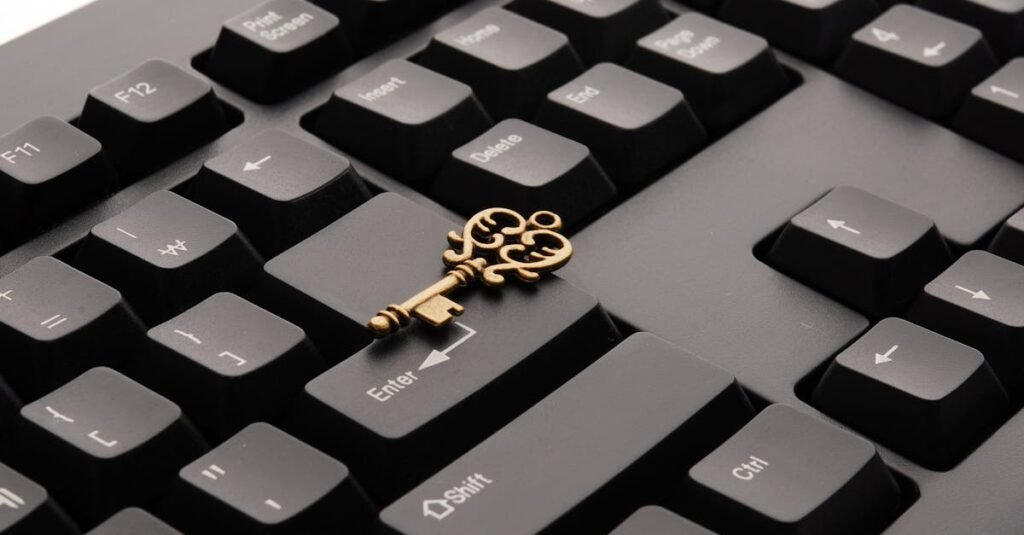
x: 431, y: 394
x: 979, y: 301
x: 264, y: 481
x: 272, y: 51
x: 57, y: 322
x: 586, y: 456
x: 133, y: 521
x: 635, y: 126
x: 278, y: 189
x: 918, y: 60
x: 654, y: 520
x: 510, y: 61
x: 814, y: 29
x: 993, y: 113
x: 915, y: 391
x: 599, y: 30
x: 151, y: 115
x: 370, y: 24
x: 102, y: 442
x: 526, y: 168
x: 49, y: 169
x: 228, y: 363
x: 789, y: 473
x: 1009, y: 241
x: 333, y: 295
x: 1002, y: 21
x: 26, y: 508
x: 403, y: 119
x: 726, y: 73
x: 865, y: 251
x: 166, y: 254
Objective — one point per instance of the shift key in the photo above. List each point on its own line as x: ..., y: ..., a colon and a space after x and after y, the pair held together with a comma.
x: 615, y: 437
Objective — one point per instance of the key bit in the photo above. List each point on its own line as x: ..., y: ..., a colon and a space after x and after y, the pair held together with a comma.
x: 493, y: 243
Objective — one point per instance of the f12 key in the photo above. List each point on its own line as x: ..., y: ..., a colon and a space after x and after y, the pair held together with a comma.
x: 921, y: 61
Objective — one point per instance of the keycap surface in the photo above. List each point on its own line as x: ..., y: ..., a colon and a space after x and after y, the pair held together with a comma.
x: 403, y: 119
x: 279, y: 189
x: 787, y: 472
x: 151, y: 115
x: 166, y: 254
x: 264, y: 481
x: 993, y: 113
x: 510, y: 61
x: 599, y: 30
x: 49, y: 169
x: 865, y: 251
x: 26, y: 507
x: 979, y: 301
x: 552, y: 467
x: 133, y: 521
x: 726, y: 73
x: 228, y: 362
x: 916, y: 391
x: 107, y: 433
x: 635, y: 126
x: 654, y: 520
x: 278, y: 48
x: 526, y: 168
x: 917, y: 59
x: 57, y: 322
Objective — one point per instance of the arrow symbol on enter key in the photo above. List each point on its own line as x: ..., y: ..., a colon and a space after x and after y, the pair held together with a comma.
x: 882, y: 358
x: 437, y: 357
x: 255, y: 166
x: 934, y: 51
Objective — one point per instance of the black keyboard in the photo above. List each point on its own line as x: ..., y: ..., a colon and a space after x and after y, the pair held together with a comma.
x: 796, y: 304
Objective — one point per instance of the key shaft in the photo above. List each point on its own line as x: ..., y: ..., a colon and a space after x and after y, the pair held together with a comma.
x: 394, y: 317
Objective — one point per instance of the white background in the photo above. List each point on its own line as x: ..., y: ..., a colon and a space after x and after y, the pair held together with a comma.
x: 22, y: 16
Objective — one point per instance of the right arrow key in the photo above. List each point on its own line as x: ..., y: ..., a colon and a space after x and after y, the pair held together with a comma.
x: 916, y: 391
x: 919, y: 60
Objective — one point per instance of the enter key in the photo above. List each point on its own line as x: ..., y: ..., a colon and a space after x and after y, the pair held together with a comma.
x: 400, y: 409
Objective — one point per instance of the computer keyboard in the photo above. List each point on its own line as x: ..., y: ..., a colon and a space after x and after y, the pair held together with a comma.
x: 794, y: 304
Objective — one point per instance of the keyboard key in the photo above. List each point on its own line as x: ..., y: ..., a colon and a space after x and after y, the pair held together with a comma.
x: 332, y: 295
x: 102, y: 442
x: 599, y: 30
x: 57, y: 322
x: 151, y: 115
x: 1002, y: 21
x: 48, y: 169
x: 919, y: 60
x: 431, y: 395
x: 726, y: 73
x: 510, y: 61
x: 133, y: 521
x: 526, y: 168
x: 166, y: 254
x: 576, y: 461
x: 228, y: 362
x: 979, y: 301
x: 635, y: 126
x: 278, y: 189
x: 993, y: 114
x: 403, y: 119
x: 865, y: 251
x: 372, y: 23
x: 1009, y: 241
x: 654, y: 520
x: 787, y: 472
x: 916, y: 391
x: 264, y: 481
x: 813, y: 29
x: 26, y: 508
x: 278, y: 48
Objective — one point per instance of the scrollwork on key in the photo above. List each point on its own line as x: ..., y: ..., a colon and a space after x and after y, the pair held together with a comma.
x: 484, y: 234
x: 538, y: 251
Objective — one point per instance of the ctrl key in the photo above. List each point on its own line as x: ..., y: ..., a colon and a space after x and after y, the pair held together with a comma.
x: 263, y: 480
x: 786, y: 472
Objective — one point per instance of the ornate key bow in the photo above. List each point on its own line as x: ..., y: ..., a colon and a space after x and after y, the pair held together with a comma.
x: 495, y: 243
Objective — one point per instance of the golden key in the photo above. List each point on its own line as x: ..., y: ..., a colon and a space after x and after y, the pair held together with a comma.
x: 494, y: 243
